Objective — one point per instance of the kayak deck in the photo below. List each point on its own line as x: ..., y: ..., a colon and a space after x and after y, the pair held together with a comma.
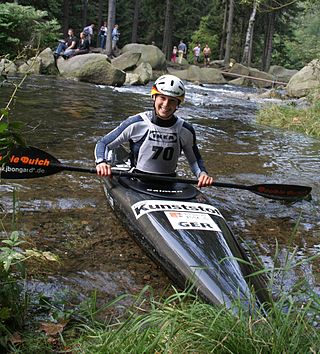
x: 180, y: 229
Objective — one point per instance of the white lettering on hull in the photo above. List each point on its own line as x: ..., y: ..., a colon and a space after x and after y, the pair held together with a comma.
x: 149, y: 206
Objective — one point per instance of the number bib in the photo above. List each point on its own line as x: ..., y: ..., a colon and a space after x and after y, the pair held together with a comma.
x: 160, y: 150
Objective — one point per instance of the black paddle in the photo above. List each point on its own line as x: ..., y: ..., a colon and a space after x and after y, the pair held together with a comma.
x: 30, y: 162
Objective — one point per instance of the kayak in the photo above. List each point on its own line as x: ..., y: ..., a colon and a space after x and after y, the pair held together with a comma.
x: 182, y: 231
x: 177, y: 225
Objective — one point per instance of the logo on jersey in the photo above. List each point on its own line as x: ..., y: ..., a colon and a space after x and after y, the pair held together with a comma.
x: 162, y: 136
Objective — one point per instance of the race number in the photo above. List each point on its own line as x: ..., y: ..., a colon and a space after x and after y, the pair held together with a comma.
x: 164, y: 153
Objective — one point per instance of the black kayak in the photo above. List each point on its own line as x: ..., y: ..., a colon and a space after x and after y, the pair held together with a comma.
x: 182, y: 231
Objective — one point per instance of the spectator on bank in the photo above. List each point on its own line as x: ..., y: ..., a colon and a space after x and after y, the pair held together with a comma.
x: 68, y: 45
x: 88, y: 31
x: 84, y: 46
x: 207, y: 54
x: 196, y: 53
x: 174, y: 54
x: 182, y: 51
x: 115, y: 37
x: 103, y: 35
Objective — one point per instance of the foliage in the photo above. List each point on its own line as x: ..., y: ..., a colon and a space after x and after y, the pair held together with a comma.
x: 22, y: 27
x: 304, y: 46
x: 305, y: 120
x: 182, y: 323
x: 204, y: 35
x: 13, y: 299
x: 9, y: 136
x: 52, y: 7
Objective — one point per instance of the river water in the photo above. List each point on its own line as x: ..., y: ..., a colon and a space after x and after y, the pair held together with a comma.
x: 67, y: 213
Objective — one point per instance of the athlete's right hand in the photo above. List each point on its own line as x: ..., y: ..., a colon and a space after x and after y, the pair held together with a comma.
x: 104, y: 170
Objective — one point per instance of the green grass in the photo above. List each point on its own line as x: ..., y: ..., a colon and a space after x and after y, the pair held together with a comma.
x: 304, y: 120
x: 184, y: 324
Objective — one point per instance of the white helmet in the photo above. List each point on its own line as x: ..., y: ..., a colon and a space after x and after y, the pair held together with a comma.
x: 169, y: 85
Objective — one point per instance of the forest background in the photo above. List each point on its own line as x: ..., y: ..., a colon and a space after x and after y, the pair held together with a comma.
x: 259, y: 33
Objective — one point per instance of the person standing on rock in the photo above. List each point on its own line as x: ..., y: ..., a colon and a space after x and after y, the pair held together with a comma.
x: 182, y: 51
x: 103, y: 35
x: 88, y: 31
x: 196, y: 53
x: 206, y: 53
x: 174, y: 54
x: 157, y: 137
x: 115, y: 37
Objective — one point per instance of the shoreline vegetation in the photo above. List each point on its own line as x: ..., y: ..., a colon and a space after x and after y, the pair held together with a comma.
x: 180, y: 322
x: 289, y: 116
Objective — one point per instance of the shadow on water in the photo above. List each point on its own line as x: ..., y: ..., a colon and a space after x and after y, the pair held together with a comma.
x: 67, y: 213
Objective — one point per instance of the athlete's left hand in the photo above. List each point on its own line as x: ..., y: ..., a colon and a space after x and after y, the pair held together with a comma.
x: 205, y: 181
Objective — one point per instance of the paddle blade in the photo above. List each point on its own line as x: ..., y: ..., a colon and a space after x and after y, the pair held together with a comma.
x: 286, y: 192
x: 28, y: 162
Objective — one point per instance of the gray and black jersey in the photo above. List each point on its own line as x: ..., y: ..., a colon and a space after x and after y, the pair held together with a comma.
x: 155, y: 144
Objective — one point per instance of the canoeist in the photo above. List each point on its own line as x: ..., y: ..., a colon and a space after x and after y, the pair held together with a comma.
x: 156, y: 137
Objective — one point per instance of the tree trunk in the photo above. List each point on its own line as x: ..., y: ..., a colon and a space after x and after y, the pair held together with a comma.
x: 268, y: 42
x: 224, y: 29
x: 226, y: 60
x: 167, y: 35
x: 111, y: 23
x: 134, y: 36
x: 100, y: 6
x: 247, y: 51
x: 84, y: 12
x: 65, y: 21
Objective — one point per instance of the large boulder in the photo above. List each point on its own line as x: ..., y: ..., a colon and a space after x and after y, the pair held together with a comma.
x: 238, y: 69
x: 280, y: 73
x: 305, y: 80
x: 241, y: 75
x: 149, y: 54
x: 140, y: 76
x: 32, y: 66
x: 94, y: 68
x: 202, y: 75
x: 7, y: 67
x: 48, y: 66
x: 263, y: 79
x: 132, y: 79
x: 144, y: 70
x: 126, y: 61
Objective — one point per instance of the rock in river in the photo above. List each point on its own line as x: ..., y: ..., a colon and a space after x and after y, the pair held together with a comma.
x: 94, y: 68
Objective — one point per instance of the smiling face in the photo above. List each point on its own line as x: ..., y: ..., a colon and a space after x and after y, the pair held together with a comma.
x: 165, y: 106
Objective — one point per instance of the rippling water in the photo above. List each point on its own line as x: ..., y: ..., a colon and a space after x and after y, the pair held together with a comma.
x: 68, y: 214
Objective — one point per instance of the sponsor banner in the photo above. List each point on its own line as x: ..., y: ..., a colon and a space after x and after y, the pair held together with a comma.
x: 149, y: 206
x: 191, y: 221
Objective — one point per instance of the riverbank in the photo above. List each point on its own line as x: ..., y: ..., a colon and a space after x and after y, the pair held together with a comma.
x: 180, y: 323
x: 303, y: 119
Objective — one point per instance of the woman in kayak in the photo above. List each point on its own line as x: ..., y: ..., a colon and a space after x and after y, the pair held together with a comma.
x: 156, y: 137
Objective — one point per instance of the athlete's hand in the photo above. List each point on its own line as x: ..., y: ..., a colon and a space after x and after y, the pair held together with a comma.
x: 205, y: 181
x: 104, y: 170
